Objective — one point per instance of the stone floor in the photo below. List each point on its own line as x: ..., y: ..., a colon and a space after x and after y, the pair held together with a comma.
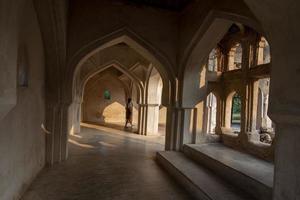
x: 107, y: 164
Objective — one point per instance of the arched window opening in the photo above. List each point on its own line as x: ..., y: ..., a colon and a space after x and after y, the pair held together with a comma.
x: 241, y: 107
x: 235, y: 57
x: 106, y: 95
x: 236, y: 108
x: 264, y: 124
x: 211, y: 106
x: 263, y: 52
x: 213, y: 61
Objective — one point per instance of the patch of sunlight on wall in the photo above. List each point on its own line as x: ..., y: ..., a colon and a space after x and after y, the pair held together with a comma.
x: 135, y: 116
x: 202, y: 80
x: 200, y: 112
x: 191, y: 126
x: 114, y: 113
x: 162, y: 116
x: 72, y: 130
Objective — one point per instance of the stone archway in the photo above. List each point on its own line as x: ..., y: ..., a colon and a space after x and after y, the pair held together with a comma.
x: 192, y: 87
x: 154, y: 89
x: 66, y: 111
x: 211, y: 31
x: 162, y: 64
x: 83, y: 82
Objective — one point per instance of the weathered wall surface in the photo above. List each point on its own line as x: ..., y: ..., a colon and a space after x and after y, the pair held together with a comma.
x: 162, y: 116
x: 22, y: 142
x: 95, y: 108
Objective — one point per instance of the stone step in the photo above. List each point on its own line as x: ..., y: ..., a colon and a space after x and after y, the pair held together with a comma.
x: 253, y: 175
x: 197, y: 180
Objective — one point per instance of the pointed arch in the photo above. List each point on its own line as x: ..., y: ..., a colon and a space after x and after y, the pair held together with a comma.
x: 214, y: 27
x: 121, y: 68
x: 141, y: 46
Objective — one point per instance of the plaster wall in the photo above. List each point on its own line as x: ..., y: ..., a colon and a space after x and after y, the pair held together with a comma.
x: 96, y: 109
x: 22, y: 142
x: 162, y: 116
x: 9, y: 21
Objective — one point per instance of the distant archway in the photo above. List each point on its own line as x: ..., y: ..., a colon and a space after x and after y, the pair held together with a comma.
x: 135, y: 42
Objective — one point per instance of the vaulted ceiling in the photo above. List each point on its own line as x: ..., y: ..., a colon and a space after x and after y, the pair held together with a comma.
x: 175, y: 5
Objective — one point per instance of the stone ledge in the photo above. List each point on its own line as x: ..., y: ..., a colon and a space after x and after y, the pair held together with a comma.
x: 197, y: 180
x: 251, y: 174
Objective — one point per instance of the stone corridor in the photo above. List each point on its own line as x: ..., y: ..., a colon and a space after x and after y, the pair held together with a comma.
x: 105, y: 163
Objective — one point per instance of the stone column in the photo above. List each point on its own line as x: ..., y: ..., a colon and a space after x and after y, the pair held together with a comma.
x: 172, y: 138
x: 188, y: 126
x: 252, y: 111
x: 220, y: 118
x: 230, y: 59
x: 227, y: 107
x: 206, y: 116
x: 246, y: 91
x: 140, y: 119
x: 58, y: 123
x: 260, y: 52
x: 287, y: 162
x: 152, y: 119
x: 76, y: 117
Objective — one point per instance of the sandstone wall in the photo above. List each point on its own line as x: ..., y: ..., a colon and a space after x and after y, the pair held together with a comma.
x: 22, y: 141
x: 97, y: 109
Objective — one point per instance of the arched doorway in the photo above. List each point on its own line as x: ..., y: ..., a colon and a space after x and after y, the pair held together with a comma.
x: 137, y: 64
x: 156, y: 113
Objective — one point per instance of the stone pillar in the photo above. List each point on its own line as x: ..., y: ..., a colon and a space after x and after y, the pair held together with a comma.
x: 152, y: 119
x: 220, y: 119
x: 260, y: 52
x: 172, y: 138
x: 230, y: 64
x: 287, y: 162
x: 246, y: 92
x: 199, y: 117
x: 259, y: 113
x: 253, y: 106
x: 267, y: 122
x: 140, y: 119
x: 252, y: 111
x: 227, y: 107
x: 188, y: 126
x: 76, y: 117
x: 59, y: 125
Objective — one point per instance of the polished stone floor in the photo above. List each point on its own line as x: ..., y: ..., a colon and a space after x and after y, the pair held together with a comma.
x: 107, y: 164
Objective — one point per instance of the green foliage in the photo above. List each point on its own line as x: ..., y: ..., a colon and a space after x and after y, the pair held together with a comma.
x: 236, y: 104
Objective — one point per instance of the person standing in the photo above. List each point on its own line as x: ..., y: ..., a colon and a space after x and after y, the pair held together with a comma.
x: 129, y: 107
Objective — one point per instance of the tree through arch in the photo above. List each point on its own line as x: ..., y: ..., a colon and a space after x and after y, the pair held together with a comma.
x: 236, y: 108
